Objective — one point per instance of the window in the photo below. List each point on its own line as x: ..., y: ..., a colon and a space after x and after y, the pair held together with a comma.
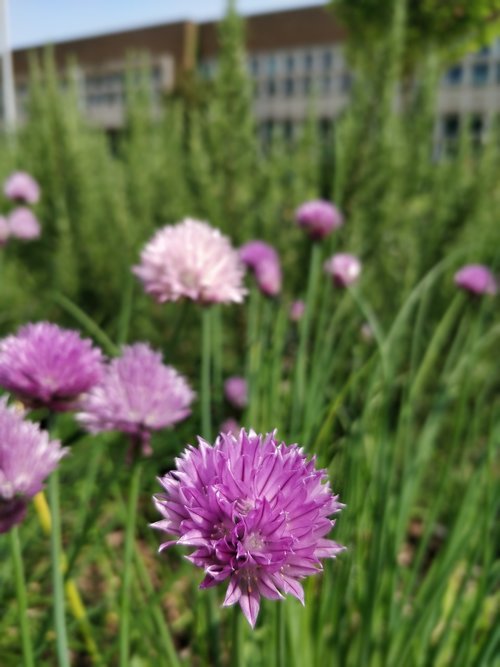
x: 346, y: 82
x: 288, y: 130
x: 254, y: 66
x: 307, y: 85
x: 451, y: 126
x: 271, y: 65
x: 327, y: 59
x: 290, y: 64
x: 480, y: 74
x: 476, y: 128
x: 454, y: 76
x: 484, y: 51
x: 271, y: 88
x: 308, y: 61
x: 289, y: 87
x: 326, y: 84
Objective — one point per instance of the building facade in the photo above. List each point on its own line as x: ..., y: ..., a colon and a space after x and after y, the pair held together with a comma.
x: 293, y: 57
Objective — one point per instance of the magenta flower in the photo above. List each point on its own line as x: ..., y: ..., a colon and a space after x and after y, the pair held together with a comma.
x: 477, y: 279
x: 297, y: 310
x: 344, y: 268
x: 319, y: 217
x: 264, y: 262
x: 4, y: 231
x: 22, y: 187
x: 194, y: 261
x: 27, y: 457
x: 23, y: 224
x: 45, y: 365
x: 137, y: 395
x: 255, y: 510
x: 236, y: 391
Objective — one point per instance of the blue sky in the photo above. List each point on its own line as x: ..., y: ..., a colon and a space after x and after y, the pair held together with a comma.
x: 41, y: 21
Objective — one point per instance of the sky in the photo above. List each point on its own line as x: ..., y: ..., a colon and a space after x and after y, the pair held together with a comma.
x: 44, y: 21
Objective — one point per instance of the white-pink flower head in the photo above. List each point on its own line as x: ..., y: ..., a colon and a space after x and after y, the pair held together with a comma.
x: 22, y: 187
x: 191, y: 260
x: 344, y: 268
x: 23, y: 224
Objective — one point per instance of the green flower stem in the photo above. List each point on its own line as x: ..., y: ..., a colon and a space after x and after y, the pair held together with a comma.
x: 280, y: 636
x: 206, y: 415
x: 124, y: 633
x: 17, y: 560
x: 299, y: 389
x: 57, y: 572
x: 236, y: 639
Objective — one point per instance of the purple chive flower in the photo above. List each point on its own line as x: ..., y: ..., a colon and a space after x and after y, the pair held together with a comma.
x: 236, y: 391
x: 344, y: 268
x: 23, y: 224
x: 27, y: 457
x: 477, y: 279
x: 297, y: 310
x: 137, y: 395
x: 231, y: 426
x: 4, y: 231
x: 255, y: 510
x: 319, y: 217
x: 45, y: 365
x: 22, y: 187
x: 264, y: 262
x: 194, y: 261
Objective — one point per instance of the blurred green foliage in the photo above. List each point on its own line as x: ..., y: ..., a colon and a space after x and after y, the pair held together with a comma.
x: 451, y: 27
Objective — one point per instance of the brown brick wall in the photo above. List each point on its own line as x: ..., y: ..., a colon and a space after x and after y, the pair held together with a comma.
x: 173, y: 38
x: 280, y: 30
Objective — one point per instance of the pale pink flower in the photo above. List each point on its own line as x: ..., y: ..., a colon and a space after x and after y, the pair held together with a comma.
x: 22, y: 187
x: 194, y: 261
x: 344, y: 268
x: 23, y: 224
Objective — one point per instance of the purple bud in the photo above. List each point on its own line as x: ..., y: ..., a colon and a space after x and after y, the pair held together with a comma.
x: 264, y: 261
x: 319, y: 218
x: 476, y: 278
x: 230, y: 426
x: 344, y: 268
x: 23, y: 224
x: 236, y: 391
x: 297, y: 310
x: 22, y: 187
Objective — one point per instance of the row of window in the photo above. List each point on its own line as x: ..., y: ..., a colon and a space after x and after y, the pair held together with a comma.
x: 478, y: 74
x: 291, y: 129
x: 450, y: 124
x: 117, y: 80
x: 303, y: 86
x: 290, y: 63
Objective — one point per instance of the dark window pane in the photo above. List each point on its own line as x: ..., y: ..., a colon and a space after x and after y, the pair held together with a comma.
x: 289, y: 87
x: 455, y: 74
x: 480, y: 73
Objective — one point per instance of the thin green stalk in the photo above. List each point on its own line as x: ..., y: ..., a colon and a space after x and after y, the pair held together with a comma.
x: 86, y: 322
x: 206, y: 414
x: 57, y: 574
x: 280, y: 636
x: 299, y: 389
x: 236, y: 638
x: 22, y: 605
x: 127, y: 565
x: 126, y: 310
